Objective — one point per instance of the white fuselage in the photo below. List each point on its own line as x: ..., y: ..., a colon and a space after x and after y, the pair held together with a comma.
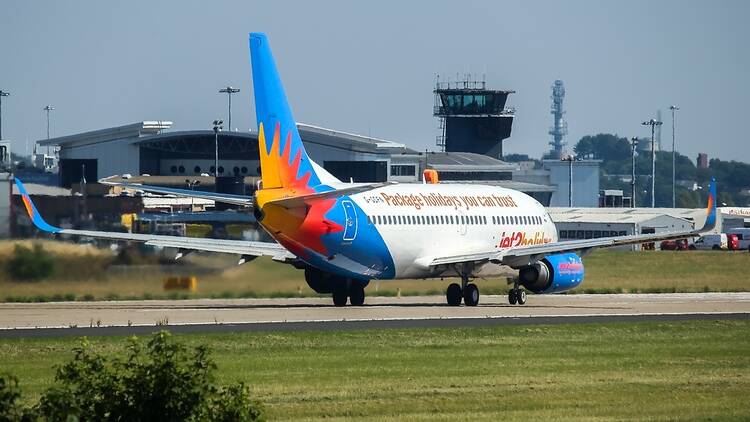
x: 421, y: 222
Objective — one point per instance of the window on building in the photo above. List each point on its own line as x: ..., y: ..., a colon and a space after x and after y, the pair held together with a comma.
x: 173, y: 169
x: 181, y: 169
x: 197, y: 170
x: 563, y: 234
x: 403, y: 170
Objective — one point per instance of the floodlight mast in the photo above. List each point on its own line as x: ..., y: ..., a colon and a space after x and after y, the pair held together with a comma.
x: 653, y: 123
x: 48, y: 108
x: 217, y: 127
x: 2, y: 94
x: 633, y: 145
x: 674, y: 202
x: 229, y: 91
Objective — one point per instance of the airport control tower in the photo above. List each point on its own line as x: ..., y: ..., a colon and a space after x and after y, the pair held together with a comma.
x: 560, y: 128
x: 472, y: 117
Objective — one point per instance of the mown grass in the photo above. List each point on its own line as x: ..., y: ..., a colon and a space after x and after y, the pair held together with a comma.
x: 695, y: 370
x: 85, y: 273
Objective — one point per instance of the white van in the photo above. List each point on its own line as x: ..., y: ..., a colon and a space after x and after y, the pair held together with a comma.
x: 711, y: 242
x: 743, y: 236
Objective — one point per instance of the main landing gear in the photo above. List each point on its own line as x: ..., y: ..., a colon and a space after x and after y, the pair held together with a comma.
x: 339, y: 288
x: 469, y: 292
x: 516, y: 295
x: 350, y: 289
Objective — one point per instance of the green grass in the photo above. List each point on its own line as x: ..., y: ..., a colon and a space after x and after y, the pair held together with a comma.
x: 658, y: 371
x: 83, y: 274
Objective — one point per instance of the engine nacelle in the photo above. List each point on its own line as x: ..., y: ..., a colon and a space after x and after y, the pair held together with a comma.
x: 320, y: 281
x: 553, y: 274
x: 323, y: 282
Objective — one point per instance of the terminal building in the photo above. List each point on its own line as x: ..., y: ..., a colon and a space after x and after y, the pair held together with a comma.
x: 148, y: 148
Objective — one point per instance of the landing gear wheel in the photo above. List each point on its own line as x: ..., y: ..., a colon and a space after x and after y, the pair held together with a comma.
x: 521, y: 296
x: 453, y: 294
x: 471, y: 295
x: 357, y: 295
x: 339, y: 296
x: 512, y: 298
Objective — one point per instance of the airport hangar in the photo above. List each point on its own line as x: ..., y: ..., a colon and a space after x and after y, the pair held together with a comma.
x: 147, y: 148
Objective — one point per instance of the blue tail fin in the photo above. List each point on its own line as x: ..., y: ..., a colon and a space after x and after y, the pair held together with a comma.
x: 283, y: 159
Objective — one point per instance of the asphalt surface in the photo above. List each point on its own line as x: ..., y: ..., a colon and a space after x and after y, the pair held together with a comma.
x: 26, y: 320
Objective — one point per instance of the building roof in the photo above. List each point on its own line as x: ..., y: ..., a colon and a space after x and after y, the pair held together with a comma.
x: 508, y: 184
x: 619, y: 215
x: 133, y: 130
x: 465, y: 161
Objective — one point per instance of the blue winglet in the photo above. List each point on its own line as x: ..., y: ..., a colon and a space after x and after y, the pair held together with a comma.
x: 34, y: 215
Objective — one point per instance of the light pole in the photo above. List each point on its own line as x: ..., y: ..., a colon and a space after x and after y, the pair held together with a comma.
x: 229, y: 91
x: 633, y: 146
x: 653, y: 123
x: 674, y: 202
x: 2, y: 94
x: 217, y: 128
x: 191, y: 185
x: 570, y: 160
x: 48, y: 108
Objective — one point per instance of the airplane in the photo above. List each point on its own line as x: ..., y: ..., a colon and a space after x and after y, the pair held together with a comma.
x: 343, y: 235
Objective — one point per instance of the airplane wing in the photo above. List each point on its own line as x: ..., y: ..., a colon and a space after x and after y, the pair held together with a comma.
x: 298, y: 201
x: 239, y: 247
x: 214, y: 196
x: 525, y: 255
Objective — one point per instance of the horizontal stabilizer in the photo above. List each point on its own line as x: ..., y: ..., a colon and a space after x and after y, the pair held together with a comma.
x: 226, y: 198
x: 302, y: 200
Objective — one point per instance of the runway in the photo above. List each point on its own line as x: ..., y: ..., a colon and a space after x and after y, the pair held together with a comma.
x: 220, y: 315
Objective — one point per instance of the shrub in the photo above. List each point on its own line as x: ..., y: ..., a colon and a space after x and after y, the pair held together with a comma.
x: 10, y: 409
x: 163, y: 381
x: 30, y: 264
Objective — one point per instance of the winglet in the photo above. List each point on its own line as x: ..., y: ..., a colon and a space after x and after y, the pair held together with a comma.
x: 34, y: 215
x: 711, y: 207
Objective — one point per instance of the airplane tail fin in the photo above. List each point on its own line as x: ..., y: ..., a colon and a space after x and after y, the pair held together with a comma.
x: 284, y: 162
x: 711, y: 207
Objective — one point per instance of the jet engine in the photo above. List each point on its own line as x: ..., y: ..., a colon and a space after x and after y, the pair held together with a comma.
x: 553, y: 274
x: 319, y: 281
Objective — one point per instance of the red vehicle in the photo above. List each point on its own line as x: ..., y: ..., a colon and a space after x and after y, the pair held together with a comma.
x: 733, y: 242
x: 674, y: 245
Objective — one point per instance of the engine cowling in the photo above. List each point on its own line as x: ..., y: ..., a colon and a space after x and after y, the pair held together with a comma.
x: 319, y: 281
x: 553, y: 274
x: 323, y: 282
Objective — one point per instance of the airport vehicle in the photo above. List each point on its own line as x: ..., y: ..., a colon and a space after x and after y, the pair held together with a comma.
x: 345, y: 234
x: 743, y: 236
x: 674, y: 245
x: 711, y: 242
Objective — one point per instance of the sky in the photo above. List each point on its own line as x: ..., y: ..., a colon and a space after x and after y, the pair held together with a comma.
x: 370, y: 67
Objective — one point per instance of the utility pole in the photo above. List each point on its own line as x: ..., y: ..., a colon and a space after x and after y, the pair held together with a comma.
x: 633, y: 146
x: 229, y: 91
x: 653, y: 123
x: 217, y: 128
x: 570, y: 160
x: 48, y: 108
x: 2, y: 94
x: 674, y: 202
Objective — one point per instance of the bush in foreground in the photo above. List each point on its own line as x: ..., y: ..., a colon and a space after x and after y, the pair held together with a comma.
x: 162, y: 381
x: 30, y: 264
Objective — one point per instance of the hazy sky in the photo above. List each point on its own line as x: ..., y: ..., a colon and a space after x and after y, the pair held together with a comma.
x: 369, y: 67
